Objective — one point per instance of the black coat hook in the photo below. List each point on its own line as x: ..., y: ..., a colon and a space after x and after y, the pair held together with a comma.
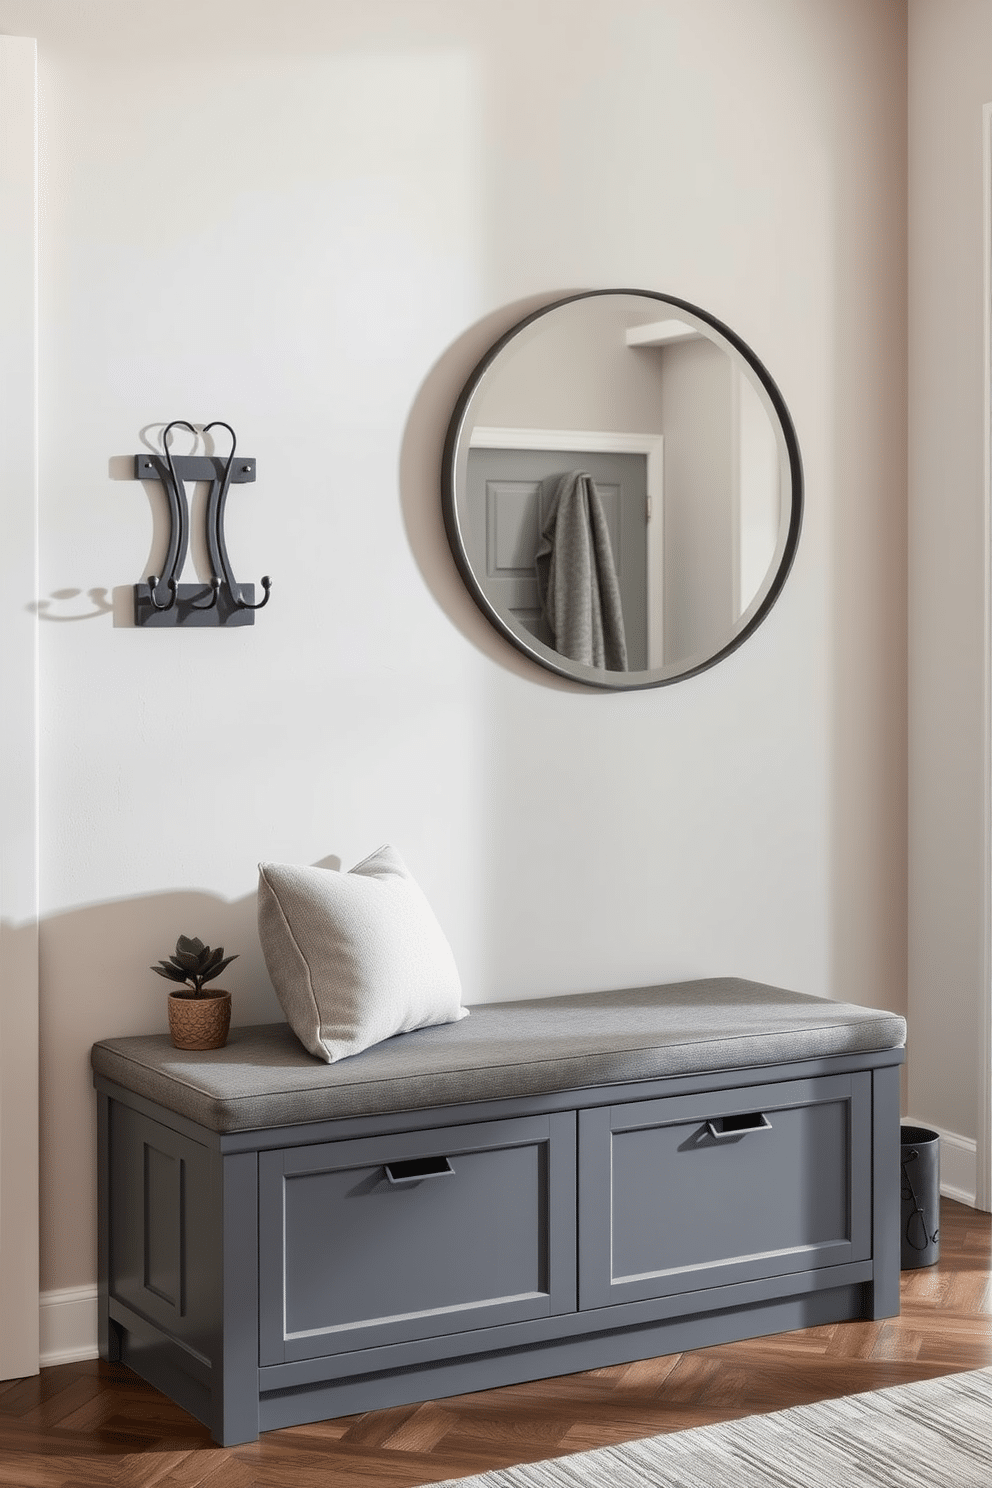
x: 178, y: 526
x: 223, y: 601
x: 171, y: 585
x: 216, y: 505
x: 212, y: 601
x: 243, y: 604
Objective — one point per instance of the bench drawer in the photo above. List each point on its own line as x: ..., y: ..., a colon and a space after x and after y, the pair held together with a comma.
x: 385, y: 1239
x: 697, y: 1191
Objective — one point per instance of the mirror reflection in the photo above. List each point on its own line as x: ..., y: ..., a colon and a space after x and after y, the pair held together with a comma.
x: 622, y: 488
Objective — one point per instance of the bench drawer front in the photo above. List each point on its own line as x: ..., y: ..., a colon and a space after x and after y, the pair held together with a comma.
x: 389, y: 1238
x: 704, y: 1190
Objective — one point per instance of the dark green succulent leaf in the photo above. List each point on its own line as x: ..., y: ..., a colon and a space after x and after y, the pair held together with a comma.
x: 189, y: 961
x: 194, y: 963
x: 173, y: 973
x: 212, y: 971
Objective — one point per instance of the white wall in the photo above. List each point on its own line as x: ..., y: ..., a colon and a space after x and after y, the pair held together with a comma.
x: 308, y: 219
x: 950, y: 79
x: 19, y: 1236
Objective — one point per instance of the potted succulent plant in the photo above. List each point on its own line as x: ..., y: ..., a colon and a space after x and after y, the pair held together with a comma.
x: 198, y: 1018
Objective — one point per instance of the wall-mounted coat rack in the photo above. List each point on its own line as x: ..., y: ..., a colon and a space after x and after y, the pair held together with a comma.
x: 160, y: 600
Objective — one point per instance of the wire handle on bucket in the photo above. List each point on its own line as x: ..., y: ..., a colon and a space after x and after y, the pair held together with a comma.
x: 917, y: 1219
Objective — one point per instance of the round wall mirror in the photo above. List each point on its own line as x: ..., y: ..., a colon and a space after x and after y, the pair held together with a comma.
x: 622, y: 488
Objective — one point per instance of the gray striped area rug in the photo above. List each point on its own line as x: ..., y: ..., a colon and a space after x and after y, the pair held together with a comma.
x: 930, y: 1434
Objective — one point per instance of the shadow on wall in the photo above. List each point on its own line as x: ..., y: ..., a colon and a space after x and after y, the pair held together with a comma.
x: 73, y: 604
x: 420, y: 486
x: 97, y: 982
x: 96, y: 976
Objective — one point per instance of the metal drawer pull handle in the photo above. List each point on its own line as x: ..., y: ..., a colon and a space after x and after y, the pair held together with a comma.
x: 723, y: 1128
x: 416, y: 1168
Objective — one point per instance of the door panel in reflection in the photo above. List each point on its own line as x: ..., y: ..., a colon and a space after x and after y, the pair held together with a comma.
x: 505, y: 494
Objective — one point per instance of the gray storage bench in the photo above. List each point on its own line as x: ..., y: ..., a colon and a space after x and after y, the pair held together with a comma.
x: 543, y: 1187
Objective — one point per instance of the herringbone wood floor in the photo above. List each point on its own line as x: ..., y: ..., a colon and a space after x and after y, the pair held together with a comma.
x: 80, y: 1425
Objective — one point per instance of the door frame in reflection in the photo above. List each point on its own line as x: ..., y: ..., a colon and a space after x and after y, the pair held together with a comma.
x: 606, y: 442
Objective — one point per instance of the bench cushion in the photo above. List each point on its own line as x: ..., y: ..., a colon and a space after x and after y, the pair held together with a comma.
x: 264, y: 1078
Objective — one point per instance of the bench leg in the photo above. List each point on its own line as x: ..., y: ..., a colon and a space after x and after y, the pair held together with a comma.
x: 234, y: 1405
x: 886, y: 1203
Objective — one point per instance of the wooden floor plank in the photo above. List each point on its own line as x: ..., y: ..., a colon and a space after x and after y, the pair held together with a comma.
x: 96, y: 1425
x: 428, y: 1425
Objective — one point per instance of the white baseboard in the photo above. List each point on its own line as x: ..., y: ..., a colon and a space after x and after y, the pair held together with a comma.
x: 958, y: 1163
x: 68, y: 1326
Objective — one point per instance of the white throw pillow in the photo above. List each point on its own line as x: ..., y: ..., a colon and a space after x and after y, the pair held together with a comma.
x: 355, y: 957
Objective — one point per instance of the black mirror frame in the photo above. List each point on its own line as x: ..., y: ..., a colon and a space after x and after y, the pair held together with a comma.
x: 590, y: 676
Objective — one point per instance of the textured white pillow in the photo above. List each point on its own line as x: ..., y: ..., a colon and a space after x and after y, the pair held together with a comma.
x: 354, y: 957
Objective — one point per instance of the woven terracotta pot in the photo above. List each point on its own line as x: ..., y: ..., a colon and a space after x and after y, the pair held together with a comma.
x: 200, y: 1022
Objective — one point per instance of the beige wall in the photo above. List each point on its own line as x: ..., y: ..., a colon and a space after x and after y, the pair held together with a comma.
x: 950, y: 79
x: 307, y: 219
x: 699, y: 428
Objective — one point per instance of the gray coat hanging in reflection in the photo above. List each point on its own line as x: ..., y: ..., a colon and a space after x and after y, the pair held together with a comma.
x: 576, y: 574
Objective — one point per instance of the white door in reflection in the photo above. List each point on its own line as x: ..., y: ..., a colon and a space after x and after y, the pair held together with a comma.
x: 505, y: 489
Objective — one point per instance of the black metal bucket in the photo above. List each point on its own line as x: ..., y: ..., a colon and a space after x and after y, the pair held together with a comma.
x: 920, y: 1167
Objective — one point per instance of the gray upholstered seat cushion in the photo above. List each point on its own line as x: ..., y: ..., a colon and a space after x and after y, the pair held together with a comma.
x: 263, y: 1077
